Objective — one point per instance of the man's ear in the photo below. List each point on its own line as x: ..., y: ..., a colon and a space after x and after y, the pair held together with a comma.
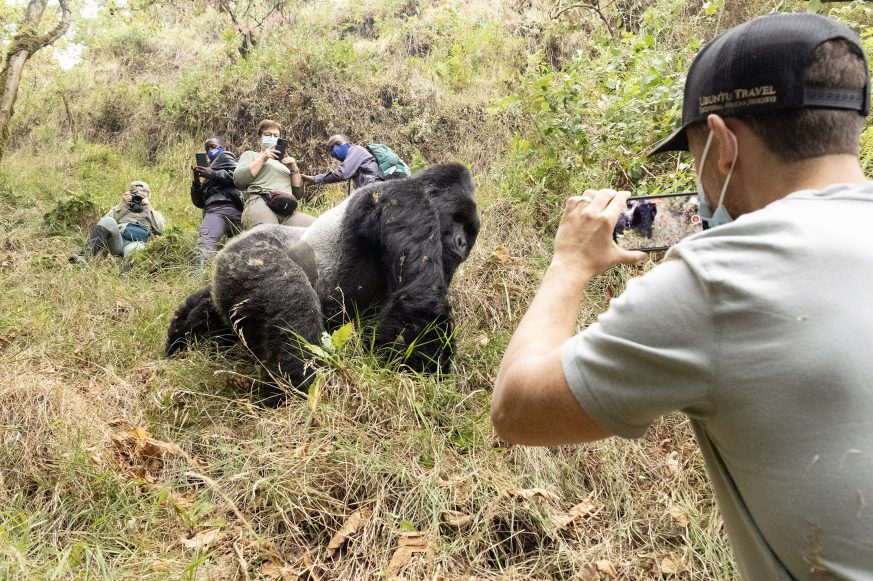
x: 724, y: 143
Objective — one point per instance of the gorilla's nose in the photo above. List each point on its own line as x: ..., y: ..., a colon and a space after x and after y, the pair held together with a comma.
x: 461, y: 242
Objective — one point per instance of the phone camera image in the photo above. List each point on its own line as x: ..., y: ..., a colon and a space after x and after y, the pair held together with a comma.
x: 281, y: 148
x: 657, y: 222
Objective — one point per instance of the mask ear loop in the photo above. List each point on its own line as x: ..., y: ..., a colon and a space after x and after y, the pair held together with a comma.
x: 705, y: 152
x: 730, y: 173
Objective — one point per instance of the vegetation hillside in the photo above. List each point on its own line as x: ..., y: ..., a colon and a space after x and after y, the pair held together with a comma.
x: 117, y: 463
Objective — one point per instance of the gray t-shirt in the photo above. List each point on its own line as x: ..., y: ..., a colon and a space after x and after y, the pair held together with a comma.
x: 761, y: 331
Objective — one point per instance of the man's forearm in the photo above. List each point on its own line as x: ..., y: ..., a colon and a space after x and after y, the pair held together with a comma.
x: 551, y: 318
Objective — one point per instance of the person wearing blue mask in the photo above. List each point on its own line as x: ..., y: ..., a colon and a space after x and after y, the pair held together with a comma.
x: 260, y: 173
x: 752, y: 328
x: 356, y: 164
x: 213, y: 191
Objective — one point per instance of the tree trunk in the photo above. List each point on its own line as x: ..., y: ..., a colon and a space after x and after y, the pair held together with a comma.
x: 25, y: 42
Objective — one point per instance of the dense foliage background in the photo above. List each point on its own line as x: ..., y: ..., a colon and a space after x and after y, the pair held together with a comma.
x: 116, y: 463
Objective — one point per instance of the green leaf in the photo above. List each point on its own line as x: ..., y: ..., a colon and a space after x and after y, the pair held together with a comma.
x: 342, y: 335
x: 813, y: 6
x: 318, y: 351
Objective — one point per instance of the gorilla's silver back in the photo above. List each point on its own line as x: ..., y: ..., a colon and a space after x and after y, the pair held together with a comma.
x: 325, y: 237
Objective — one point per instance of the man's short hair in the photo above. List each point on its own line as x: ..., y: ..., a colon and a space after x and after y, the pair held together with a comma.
x: 269, y: 124
x: 799, y: 134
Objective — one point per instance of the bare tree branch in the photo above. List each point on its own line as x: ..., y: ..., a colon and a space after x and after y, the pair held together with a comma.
x: 593, y: 6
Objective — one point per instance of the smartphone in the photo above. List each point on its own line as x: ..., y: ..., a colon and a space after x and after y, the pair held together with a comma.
x: 281, y: 148
x: 201, y: 159
x: 653, y: 223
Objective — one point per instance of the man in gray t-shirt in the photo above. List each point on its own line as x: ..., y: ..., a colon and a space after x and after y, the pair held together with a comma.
x: 755, y: 328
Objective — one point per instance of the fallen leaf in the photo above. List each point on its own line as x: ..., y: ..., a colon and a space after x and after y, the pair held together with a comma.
x: 300, y: 451
x: 483, y: 340
x: 606, y: 567
x: 500, y: 255
x: 672, y: 463
x: 140, y: 433
x: 95, y: 455
x: 455, y: 518
x: 576, y: 514
x: 588, y: 572
x: 158, y: 566
x: 407, y: 545
x: 529, y: 493
x: 203, y: 539
x: 283, y: 572
x: 452, y: 483
x: 183, y: 499
x: 671, y: 566
x: 350, y: 527
x: 678, y: 514
x: 271, y: 570
x: 152, y: 448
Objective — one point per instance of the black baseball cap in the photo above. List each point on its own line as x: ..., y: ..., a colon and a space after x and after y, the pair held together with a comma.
x: 758, y: 66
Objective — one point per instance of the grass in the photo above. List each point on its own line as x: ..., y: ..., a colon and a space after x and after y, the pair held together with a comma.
x: 85, y: 393
x: 116, y: 463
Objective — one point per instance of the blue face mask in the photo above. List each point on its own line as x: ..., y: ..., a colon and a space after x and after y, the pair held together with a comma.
x: 720, y: 216
x: 268, y: 141
x: 214, y: 152
x: 340, y: 151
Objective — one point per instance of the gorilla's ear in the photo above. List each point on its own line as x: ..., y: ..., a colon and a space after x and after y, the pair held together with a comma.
x: 439, y: 178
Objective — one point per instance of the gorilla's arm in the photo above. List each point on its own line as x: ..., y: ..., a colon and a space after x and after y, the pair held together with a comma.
x: 197, y: 319
x: 403, y: 229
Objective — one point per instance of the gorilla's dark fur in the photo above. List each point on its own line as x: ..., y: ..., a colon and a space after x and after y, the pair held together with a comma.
x: 388, y: 251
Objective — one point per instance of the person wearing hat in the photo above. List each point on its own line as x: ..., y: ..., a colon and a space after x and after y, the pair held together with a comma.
x: 752, y: 327
x: 125, y: 228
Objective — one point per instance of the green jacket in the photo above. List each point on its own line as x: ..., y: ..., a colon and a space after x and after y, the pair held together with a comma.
x: 149, y: 218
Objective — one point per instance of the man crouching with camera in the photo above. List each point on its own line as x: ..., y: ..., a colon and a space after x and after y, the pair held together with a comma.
x: 125, y: 228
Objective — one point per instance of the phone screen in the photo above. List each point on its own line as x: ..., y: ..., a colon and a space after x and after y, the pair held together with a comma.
x: 657, y: 222
x: 201, y: 159
x: 282, y: 148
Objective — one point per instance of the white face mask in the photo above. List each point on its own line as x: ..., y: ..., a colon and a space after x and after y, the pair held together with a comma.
x: 720, y: 216
x: 268, y: 141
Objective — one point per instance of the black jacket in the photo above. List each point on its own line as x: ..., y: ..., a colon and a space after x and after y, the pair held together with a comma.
x: 218, y: 188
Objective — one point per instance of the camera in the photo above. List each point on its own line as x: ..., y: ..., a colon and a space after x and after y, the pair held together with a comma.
x: 136, y: 198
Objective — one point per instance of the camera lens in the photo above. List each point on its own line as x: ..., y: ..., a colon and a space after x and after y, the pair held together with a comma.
x: 136, y: 198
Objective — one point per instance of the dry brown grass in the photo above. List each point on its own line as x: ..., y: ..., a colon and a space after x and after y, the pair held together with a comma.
x: 90, y: 491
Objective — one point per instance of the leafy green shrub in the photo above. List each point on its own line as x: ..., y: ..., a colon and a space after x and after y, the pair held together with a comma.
x: 75, y: 213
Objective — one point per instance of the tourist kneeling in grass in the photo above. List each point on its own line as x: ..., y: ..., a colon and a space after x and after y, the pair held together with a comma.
x: 125, y: 228
x: 756, y: 328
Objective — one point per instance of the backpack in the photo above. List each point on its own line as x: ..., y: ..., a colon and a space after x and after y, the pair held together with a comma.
x: 389, y: 162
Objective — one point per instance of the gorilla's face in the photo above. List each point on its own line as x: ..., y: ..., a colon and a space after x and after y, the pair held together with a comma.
x: 459, y: 222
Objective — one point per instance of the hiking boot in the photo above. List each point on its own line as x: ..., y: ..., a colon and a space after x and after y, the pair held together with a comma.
x: 96, y: 242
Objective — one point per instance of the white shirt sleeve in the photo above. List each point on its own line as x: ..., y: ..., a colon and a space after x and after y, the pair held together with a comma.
x: 649, y: 354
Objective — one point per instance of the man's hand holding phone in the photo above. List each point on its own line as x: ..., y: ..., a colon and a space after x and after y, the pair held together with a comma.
x: 584, y: 241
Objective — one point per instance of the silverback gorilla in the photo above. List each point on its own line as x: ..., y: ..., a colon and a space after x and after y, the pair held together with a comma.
x: 386, y: 253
